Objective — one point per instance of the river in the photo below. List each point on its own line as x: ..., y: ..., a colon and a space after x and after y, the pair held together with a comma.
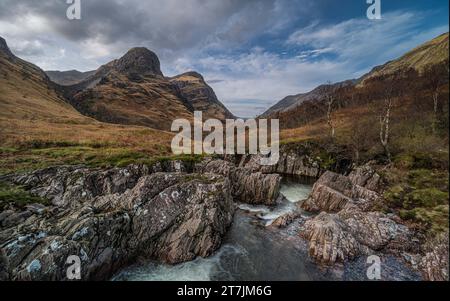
x: 250, y: 251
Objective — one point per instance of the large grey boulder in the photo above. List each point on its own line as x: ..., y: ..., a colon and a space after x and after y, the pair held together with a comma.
x: 351, y: 232
x: 333, y: 191
x: 184, y: 220
x: 330, y: 239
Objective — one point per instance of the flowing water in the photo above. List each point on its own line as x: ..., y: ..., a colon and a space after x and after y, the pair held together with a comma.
x: 251, y: 251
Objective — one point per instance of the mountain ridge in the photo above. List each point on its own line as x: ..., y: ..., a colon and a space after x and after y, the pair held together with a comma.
x: 69, y: 77
x: 292, y: 101
x: 133, y: 90
x: 35, y: 115
x: 432, y: 52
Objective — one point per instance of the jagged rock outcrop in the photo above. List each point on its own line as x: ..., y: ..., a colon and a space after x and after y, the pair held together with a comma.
x: 366, y: 177
x: 289, y: 163
x: 351, y: 232
x: 248, y: 186
x: 333, y: 191
x: 192, y: 225
x: 306, y: 160
x: 346, y: 227
x: 72, y: 185
x: 108, y: 220
x: 330, y: 239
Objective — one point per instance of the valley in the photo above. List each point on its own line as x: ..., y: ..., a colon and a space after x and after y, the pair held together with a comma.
x: 87, y: 169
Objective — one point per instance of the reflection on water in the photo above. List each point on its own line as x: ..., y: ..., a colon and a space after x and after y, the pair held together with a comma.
x: 251, y: 251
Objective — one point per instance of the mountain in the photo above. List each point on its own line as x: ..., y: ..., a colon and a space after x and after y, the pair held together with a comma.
x: 26, y: 93
x: 33, y: 110
x: 133, y: 91
x: 4, y: 50
x: 201, y: 96
x: 432, y: 53
x: 293, y: 101
x: 67, y: 78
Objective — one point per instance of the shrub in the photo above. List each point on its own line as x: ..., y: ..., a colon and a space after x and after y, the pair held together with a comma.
x: 428, y: 198
x: 394, y: 196
x: 434, y: 219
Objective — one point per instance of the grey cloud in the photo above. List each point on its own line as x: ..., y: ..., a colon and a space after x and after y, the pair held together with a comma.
x: 169, y: 26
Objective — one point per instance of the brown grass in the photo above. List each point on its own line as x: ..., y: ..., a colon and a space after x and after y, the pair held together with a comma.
x: 34, y: 117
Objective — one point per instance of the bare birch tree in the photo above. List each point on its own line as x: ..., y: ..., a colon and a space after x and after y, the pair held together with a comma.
x: 329, y: 100
x: 437, y: 75
x: 385, y: 119
x: 391, y: 88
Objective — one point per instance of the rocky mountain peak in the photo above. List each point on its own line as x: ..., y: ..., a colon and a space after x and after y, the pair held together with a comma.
x: 139, y: 60
x: 4, y: 49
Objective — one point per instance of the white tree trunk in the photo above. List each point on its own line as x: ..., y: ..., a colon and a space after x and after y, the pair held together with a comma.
x: 330, y: 102
x: 435, y: 109
x: 384, y: 129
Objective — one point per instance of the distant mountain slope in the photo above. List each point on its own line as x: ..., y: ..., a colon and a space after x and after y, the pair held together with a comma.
x: 67, y: 78
x: 33, y: 109
x: 430, y: 53
x: 201, y: 96
x: 291, y: 102
x: 283, y: 104
x: 27, y: 92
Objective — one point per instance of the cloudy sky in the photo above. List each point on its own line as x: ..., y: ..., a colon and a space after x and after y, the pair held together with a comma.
x: 252, y: 52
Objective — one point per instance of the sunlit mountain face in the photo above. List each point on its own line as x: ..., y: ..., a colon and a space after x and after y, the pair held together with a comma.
x: 252, y: 53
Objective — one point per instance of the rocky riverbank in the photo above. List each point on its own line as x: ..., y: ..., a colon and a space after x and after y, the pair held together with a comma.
x: 173, y: 212
x: 109, y: 218
x: 347, y: 225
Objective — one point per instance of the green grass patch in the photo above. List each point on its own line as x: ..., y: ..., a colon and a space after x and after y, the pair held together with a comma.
x: 8, y: 150
x: 435, y: 219
x: 419, y: 195
x: 22, y: 160
x: 17, y: 197
x: 425, y: 178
